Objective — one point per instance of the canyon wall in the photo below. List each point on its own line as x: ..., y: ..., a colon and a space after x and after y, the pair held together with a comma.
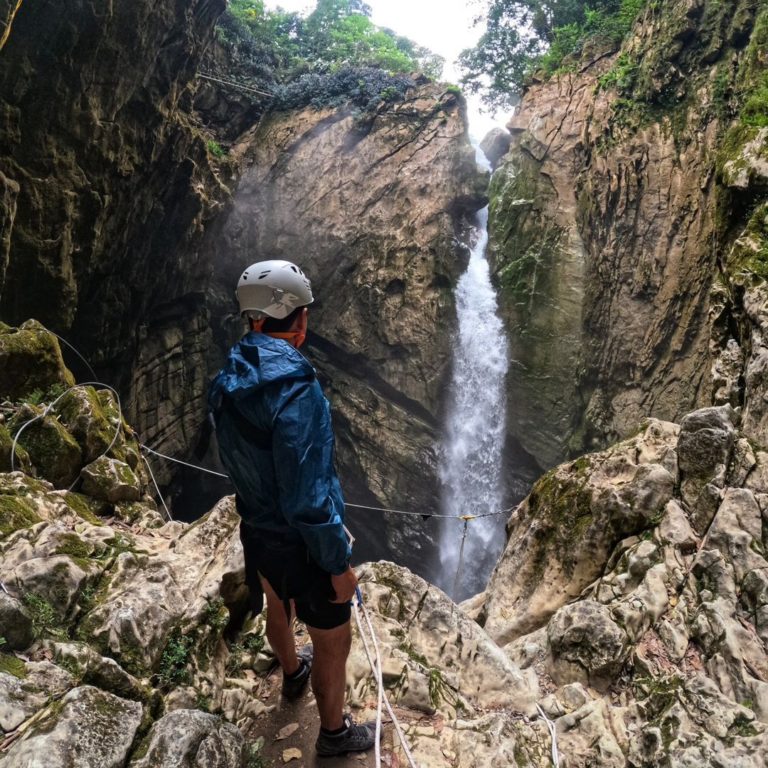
x: 605, y: 233
x: 370, y: 205
x: 107, y: 185
x: 134, y: 193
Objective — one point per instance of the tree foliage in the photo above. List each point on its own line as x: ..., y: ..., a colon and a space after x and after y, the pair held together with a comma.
x: 522, y: 36
x: 279, y: 47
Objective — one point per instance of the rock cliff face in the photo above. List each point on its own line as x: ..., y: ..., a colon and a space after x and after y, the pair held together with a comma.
x: 107, y: 184
x: 606, y: 232
x: 370, y: 205
x: 125, y: 230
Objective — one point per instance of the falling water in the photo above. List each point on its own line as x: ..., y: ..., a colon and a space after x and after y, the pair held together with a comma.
x: 474, y: 436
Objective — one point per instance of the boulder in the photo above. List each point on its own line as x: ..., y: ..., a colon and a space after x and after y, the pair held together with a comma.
x: 706, y: 440
x: 187, y: 737
x: 96, y: 727
x: 30, y: 361
x: 54, y: 453
x: 495, y: 145
x: 15, y: 623
x: 111, y: 480
x: 561, y: 537
x: 29, y: 690
x: 587, y: 645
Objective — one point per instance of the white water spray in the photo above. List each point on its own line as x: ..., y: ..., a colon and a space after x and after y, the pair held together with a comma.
x: 474, y: 438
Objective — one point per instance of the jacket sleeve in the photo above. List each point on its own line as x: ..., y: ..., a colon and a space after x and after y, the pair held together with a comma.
x: 310, y: 494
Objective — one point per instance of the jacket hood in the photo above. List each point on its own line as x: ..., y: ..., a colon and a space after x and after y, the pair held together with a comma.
x: 256, y: 361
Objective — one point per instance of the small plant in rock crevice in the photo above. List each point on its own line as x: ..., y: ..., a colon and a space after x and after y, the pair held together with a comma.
x: 174, y: 663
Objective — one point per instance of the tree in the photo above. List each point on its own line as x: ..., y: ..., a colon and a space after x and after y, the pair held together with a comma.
x: 522, y: 35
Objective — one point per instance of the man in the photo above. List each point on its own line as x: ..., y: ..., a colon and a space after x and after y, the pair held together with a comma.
x: 275, y: 439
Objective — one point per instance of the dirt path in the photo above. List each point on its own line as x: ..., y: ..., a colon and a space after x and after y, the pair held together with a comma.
x: 300, y: 722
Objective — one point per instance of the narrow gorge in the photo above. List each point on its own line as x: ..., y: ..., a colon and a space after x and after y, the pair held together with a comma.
x: 619, y: 344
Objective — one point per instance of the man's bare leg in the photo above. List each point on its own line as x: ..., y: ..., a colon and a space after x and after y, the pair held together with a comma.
x: 280, y: 631
x: 329, y: 677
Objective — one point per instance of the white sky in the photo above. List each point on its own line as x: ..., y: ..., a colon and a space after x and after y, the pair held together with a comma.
x: 443, y: 26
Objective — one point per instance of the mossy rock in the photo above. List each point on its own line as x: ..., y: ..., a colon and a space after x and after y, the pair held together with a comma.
x: 111, y: 480
x: 30, y: 359
x: 55, y: 454
x: 21, y: 457
x: 87, y: 508
x: 15, y: 513
x: 82, y: 413
x: 11, y: 665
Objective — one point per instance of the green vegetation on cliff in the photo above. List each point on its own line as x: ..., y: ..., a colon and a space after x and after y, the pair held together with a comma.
x: 335, y: 51
x: 523, y: 37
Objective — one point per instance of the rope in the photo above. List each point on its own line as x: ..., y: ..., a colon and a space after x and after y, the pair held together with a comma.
x: 183, y: 463
x: 376, y: 668
x: 157, y: 488
x: 386, y: 510
x: 552, y: 728
x: 50, y: 407
x: 87, y: 364
x: 467, y: 518
x: 233, y: 84
x: 9, y: 24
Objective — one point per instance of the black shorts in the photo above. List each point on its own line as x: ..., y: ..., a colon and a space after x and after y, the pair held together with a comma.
x: 294, y: 575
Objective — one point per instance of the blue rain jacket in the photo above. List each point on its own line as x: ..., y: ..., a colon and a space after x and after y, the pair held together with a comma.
x: 273, y: 425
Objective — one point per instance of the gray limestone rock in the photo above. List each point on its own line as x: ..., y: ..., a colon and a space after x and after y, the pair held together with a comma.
x: 495, y: 145
x: 587, y: 645
x: 706, y: 440
x: 22, y: 696
x: 111, y: 480
x: 187, y: 737
x: 15, y: 623
x: 89, y: 729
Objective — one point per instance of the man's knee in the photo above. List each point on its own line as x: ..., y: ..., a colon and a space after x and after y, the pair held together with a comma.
x: 334, y: 643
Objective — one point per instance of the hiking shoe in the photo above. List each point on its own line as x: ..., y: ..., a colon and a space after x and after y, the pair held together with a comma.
x: 294, y: 685
x: 354, y: 738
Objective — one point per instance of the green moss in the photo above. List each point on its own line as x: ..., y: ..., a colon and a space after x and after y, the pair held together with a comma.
x: 20, y: 456
x: 30, y: 359
x: 564, y: 506
x: 84, y: 415
x: 11, y: 665
x: 53, y: 451
x: 754, y: 76
x: 215, y: 148
x: 657, y: 695
x: 750, y: 253
x: 79, y: 551
x: 742, y: 727
x: 15, y: 513
x: 85, y: 507
x: 45, y: 622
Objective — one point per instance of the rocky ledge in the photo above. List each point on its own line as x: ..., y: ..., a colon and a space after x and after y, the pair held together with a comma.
x: 628, y: 614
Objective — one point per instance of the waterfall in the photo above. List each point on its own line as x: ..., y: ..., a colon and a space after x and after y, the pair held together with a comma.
x: 473, y: 442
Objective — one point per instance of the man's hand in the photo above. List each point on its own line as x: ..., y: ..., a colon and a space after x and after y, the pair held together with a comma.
x: 344, y: 586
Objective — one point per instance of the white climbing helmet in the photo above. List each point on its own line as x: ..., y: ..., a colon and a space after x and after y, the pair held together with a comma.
x: 273, y: 288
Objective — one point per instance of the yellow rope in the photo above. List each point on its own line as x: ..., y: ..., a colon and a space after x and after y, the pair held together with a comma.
x: 7, y: 33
